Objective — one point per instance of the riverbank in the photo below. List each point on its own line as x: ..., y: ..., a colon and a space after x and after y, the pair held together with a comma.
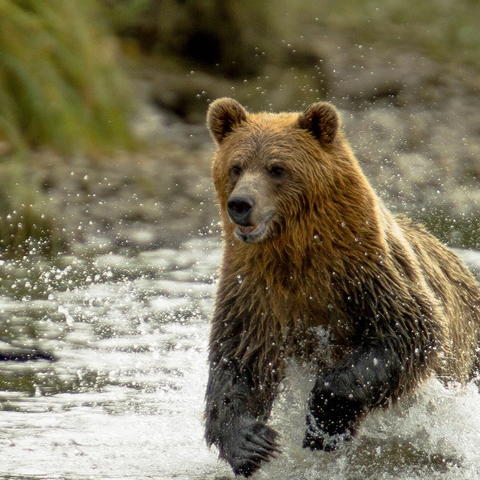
x: 412, y: 123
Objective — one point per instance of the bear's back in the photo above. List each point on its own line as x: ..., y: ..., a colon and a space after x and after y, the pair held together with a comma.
x: 458, y: 292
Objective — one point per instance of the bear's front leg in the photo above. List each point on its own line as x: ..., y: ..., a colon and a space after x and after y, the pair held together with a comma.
x: 343, y: 395
x: 236, y: 412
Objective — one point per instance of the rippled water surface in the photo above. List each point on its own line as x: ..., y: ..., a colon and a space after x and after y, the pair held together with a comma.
x: 124, y: 397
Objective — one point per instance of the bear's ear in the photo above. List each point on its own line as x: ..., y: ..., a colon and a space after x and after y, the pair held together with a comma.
x: 321, y: 120
x: 223, y: 116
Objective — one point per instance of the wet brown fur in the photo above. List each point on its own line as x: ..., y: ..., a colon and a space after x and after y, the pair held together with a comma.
x: 336, y: 259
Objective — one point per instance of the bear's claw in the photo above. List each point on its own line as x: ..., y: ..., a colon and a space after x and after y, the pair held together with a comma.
x: 255, y: 443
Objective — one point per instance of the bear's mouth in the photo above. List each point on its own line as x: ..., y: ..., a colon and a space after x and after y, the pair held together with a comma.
x: 252, y: 233
x: 251, y: 230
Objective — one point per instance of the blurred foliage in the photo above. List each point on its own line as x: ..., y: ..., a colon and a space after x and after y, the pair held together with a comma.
x: 230, y: 36
x: 59, y: 80
x: 60, y: 86
x: 235, y: 37
x: 459, y: 232
x: 444, y: 30
x: 27, y: 224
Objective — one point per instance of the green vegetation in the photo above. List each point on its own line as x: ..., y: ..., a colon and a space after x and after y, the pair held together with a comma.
x: 27, y: 222
x: 457, y: 232
x: 442, y: 29
x: 227, y: 36
x: 60, y: 87
x: 59, y: 82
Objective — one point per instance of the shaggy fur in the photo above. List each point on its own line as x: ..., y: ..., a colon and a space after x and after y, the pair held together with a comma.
x: 309, y: 248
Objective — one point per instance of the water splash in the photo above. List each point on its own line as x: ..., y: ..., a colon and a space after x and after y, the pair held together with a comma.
x: 125, y: 397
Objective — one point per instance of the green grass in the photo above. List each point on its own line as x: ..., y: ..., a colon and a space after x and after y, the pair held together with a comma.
x: 59, y: 80
x: 60, y: 87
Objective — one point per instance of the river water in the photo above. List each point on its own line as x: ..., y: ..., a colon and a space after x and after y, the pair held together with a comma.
x: 124, y: 397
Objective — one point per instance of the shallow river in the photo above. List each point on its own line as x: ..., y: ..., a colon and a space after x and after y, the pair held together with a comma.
x: 124, y: 397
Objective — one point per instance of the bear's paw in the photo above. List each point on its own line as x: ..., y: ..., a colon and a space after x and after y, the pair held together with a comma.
x: 252, y: 443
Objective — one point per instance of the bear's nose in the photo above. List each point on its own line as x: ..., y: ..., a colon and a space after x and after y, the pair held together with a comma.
x: 239, y: 208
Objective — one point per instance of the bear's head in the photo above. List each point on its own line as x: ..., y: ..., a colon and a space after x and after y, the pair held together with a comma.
x: 274, y: 173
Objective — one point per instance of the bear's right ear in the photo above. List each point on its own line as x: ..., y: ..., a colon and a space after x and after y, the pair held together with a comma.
x: 223, y: 116
x: 321, y: 120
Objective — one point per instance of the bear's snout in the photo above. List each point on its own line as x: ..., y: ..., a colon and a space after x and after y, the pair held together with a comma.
x: 240, y: 208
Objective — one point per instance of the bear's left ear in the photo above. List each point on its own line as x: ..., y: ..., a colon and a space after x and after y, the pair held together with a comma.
x: 321, y: 120
x: 223, y: 116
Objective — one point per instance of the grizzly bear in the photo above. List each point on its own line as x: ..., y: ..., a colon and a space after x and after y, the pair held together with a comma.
x: 309, y: 251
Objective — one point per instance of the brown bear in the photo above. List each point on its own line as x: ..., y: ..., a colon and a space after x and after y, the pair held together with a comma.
x: 310, y: 251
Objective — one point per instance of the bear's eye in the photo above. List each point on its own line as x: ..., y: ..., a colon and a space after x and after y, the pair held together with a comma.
x: 276, y: 171
x: 236, y: 170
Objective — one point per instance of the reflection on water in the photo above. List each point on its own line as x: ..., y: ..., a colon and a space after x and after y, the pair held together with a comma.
x: 124, y: 396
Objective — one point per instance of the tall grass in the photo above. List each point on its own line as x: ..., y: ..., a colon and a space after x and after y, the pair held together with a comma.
x: 61, y: 87
x: 59, y: 82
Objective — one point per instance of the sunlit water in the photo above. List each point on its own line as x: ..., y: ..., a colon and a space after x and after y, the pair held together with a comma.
x: 125, y: 397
